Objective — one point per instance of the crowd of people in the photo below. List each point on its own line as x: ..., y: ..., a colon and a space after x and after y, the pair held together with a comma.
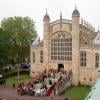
x: 45, y: 84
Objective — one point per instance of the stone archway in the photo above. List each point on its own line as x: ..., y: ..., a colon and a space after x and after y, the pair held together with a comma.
x: 60, y: 67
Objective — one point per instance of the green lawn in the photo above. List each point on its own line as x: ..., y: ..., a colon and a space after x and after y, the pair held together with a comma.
x: 77, y: 92
x: 23, y: 78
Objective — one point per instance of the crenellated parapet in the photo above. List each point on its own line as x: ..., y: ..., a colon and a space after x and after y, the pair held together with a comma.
x: 87, y: 33
x: 87, y: 25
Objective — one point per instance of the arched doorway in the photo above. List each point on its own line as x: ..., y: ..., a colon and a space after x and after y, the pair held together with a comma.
x: 60, y: 67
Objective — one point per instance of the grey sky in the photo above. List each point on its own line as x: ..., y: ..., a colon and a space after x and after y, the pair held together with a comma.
x: 89, y: 10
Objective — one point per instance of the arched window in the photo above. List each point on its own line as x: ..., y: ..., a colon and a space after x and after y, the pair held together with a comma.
x: 61, y: 48
x: 82, y: 58
x: 96, y: 60
x: 33, y: 57
x: 41, y: 56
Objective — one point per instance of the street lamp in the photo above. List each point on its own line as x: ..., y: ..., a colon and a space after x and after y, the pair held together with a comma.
x: 18, y: 73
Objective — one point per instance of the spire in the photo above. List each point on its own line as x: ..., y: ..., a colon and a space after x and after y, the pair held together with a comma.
x: 46, y: 12
x: 60, y: 15
x: 61, y: 21
x: 75, y: 7
x: 46, y: 17
x: 76, y: 12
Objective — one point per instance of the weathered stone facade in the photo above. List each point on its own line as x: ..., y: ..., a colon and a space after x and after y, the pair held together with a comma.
x: 69, y: 43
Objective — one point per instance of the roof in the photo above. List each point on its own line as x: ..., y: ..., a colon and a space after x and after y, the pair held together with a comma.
x: 97, y: 38
x: 76, y: 13
x: 46, y: 18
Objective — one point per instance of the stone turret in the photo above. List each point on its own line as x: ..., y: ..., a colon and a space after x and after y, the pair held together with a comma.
x: 46, y: 25
x: 46, y: 31
x: 75, y: 17
x: 75, y: 46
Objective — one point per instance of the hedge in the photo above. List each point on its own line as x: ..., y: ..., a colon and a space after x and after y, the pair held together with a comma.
x: 8, y: 75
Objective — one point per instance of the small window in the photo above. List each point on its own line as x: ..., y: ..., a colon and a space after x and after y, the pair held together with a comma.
x: 41, y: 56
x: 33, y: 57
x: 90, y: 79
x: 85, y: 42
x: 82, y: 58
x: 96, y: 60
x: 84, y: 79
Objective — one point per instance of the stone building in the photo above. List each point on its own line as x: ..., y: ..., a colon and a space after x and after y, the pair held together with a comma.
x: 69, y: 44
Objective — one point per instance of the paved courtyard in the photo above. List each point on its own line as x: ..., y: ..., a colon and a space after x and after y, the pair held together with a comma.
x: 10, y: 94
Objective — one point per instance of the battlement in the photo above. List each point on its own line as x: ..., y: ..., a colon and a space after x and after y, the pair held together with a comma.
x: 87, y: 25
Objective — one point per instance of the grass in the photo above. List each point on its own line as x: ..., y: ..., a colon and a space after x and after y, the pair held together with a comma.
x: 77, y: 92
x: 23, y: 78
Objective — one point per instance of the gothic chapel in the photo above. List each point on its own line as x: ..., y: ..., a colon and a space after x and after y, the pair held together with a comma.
x: 69, y: 44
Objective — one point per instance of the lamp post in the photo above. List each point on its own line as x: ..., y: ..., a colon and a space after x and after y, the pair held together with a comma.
x: 18, y: 73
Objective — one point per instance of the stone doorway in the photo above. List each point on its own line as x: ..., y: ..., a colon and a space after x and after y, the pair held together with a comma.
x: 60, y: 67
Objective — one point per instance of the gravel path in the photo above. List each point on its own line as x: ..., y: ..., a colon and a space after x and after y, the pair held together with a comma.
x: 11, y: 94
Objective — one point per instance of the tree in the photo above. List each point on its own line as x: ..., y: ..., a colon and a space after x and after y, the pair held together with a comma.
x: 22, y: 31
x: 5, y: 48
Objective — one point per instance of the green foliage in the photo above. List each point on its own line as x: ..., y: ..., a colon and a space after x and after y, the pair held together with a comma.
x: 22, y: 32
x: 5, y: 47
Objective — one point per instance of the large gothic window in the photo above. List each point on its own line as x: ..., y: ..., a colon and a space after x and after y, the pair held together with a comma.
x: 61, y: 48
x: 82, y: 58
x: 33, y: 57
x: 96, y: 60
x: 41, y: 56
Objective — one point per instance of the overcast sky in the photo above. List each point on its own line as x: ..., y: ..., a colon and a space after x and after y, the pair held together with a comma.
x: 89, y: 10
